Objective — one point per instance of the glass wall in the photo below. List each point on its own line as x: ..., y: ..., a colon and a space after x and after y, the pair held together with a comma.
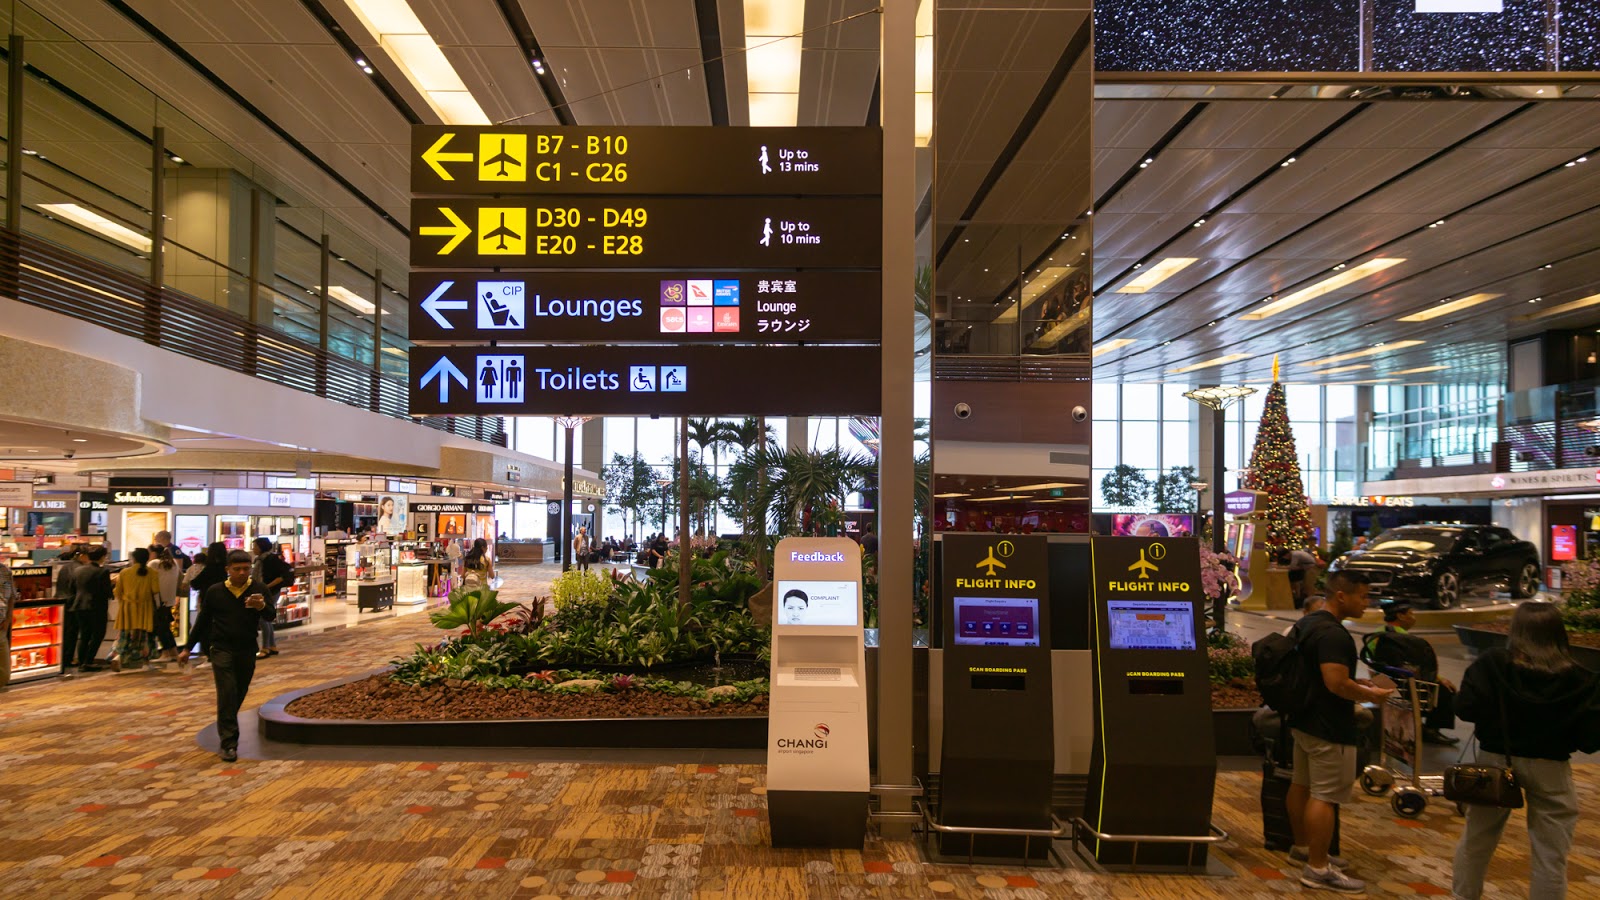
x: 1154, y: 428
x: 1428, y: 425
x: 89, y: 135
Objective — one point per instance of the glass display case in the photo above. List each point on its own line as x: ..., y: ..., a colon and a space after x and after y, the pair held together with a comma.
x: 36, y: 639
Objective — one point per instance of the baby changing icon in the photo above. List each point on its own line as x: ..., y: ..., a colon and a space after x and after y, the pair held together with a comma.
x: 674, y: 378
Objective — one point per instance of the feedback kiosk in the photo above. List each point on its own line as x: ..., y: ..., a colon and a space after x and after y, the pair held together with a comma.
x: 997, y: 757
x: 817, y: 777
x: 1153, y: 769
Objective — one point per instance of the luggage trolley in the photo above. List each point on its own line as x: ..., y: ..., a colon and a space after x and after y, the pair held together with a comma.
x: 1403, y: 715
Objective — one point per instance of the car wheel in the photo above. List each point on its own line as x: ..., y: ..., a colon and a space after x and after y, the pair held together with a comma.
x: 1446, y: 590
x: 1527, y: 583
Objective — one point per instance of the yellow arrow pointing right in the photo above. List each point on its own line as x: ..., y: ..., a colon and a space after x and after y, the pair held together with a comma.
x: 457, y: 231
x: 435, y: 155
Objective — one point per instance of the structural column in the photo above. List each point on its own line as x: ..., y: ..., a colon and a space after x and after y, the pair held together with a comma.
x: 896, y: 470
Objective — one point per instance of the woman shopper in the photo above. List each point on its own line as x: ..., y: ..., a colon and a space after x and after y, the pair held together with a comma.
x: 477, y: 565
x: 168, y: 573
x: 137, y: 590
x: 1533, y: 706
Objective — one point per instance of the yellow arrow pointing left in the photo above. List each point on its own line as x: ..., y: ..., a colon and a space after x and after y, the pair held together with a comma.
x: 456, y: 231
x: 435, y: 155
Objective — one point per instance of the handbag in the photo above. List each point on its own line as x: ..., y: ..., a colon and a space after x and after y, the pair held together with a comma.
x: 1480, y: 785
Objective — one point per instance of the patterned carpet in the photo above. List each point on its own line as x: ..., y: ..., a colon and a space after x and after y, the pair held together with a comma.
x: 104, y: 793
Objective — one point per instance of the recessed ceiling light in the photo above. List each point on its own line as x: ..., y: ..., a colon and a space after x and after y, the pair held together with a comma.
x: 80, y: 440
x: 1436, y: 224
x: 1419, y: 370
x: 1342, y: 369
x: 1198, y: 223
x: 1357, y: 354
x: 1158, y: 273
x: 1108, y: 346
x: 351, y: 299
x: 1558, y: 309
x: 1451, y: 306
x: 95, y: 222
x: 1287, y: 162
x: 1325, y: 286
x: 1219, y: 361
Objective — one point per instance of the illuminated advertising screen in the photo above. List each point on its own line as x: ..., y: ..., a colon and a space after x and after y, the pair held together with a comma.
x: 1151, y: 625
x: 997, y: 621
x: 817, y: 603
x: 1164, y: 525
x: 1563, y: 542
x: 1346, y: 35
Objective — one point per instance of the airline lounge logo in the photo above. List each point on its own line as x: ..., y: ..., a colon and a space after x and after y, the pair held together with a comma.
x: 700, y: 306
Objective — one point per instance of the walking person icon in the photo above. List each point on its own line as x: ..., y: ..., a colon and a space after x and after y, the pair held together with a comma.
x: 765, y: 169
x: 766, y: 233
x: 513, y: 380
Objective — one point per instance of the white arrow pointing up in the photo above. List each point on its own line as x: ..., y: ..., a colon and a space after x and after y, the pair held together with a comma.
x: 443, y: 371
x: 433, y: 304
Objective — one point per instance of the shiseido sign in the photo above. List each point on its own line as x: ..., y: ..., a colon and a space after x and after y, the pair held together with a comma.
x: 142, y: 497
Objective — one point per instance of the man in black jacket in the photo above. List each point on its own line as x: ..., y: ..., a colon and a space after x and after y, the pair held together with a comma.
x: 90, y: 606
x: 230, y: 617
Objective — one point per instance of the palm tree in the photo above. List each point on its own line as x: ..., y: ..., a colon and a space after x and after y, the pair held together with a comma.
x: 805, y: 483
x: 748, y: 434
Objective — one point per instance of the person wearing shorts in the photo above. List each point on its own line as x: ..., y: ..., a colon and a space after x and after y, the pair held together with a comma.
x: 1325, y: 733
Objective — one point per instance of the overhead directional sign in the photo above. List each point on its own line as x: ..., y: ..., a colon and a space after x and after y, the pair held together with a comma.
x: 671, y: 232
x: 646, y: 160
x: 637, y: 307
x: 639, y: 380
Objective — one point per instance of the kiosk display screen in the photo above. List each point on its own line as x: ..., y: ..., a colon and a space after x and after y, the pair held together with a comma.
x: 997, y: 621
x: 1150, y: 625
x: 817, y: 603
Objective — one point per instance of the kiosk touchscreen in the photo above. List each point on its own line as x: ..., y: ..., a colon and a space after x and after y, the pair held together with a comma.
x: 1154, y: 764
x: 817, y: 778
x: 997, y: 752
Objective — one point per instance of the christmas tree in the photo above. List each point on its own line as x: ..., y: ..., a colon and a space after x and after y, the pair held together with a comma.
x: 1275, y: 471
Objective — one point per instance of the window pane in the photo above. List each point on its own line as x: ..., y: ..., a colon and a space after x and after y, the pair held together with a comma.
x: 1139, y: 442
x: 1105, y: 400
x: 1304, y: 402
x: 1138, y: 402
x: 657, y: 440
x: 1104, y: 436
x: 1175, y: 445
x: 1341, y: 401
x: 1175, y: 407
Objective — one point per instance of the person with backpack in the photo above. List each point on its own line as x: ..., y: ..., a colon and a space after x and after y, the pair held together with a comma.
x: 275, y: 574
x: 1533, y: 706
x: 1309, y: 676
x: 1395, y: 647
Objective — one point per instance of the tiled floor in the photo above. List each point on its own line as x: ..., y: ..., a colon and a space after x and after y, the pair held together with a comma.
x: 105, y: 793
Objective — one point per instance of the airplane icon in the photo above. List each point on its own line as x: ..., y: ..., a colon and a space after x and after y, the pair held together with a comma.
x: 1144, y: 566
x: 991, y: 562
x: 502, y: 233
x: 502, y: 159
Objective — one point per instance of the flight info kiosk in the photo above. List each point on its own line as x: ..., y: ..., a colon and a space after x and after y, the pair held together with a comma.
x: 997, y: 761
x: 1154, y: 762
x: 817, y: 778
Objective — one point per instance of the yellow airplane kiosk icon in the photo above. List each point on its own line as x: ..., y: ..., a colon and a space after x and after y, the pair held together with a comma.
x: 1144, y: 566
x: 991, y: 562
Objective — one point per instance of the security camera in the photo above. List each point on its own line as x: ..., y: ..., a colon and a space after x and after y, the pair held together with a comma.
x: 1079, y: 414
x: 68, y: 454
x: 963, y: 411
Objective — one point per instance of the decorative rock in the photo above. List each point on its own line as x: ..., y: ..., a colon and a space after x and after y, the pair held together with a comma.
x: 722, y: 690
x: 585, y: 683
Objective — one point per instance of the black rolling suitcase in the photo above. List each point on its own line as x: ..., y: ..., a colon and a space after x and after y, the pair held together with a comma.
x: 1277, y: 773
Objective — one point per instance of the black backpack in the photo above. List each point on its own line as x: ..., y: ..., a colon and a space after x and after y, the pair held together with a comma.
x: 1283, y: 675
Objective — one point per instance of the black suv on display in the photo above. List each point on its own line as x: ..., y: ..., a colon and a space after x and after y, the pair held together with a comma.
x: 1438, y: 563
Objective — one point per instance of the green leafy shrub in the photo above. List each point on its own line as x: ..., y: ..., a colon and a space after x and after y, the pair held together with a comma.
x: 1583, y: 620
x: 583, y: 589
x: 471, y: 610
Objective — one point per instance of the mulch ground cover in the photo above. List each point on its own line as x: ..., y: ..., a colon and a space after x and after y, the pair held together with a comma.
x: 376, y: 697
x: 1234, y: 696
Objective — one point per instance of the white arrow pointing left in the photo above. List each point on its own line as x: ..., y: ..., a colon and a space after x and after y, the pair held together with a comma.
x: 433, y: 304
x: 443, y: 371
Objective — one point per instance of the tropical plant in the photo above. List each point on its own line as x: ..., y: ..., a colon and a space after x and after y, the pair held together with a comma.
x: 470, y: 609
x: 1231, y: 664
x: 805, y: 488
x: 1126, y: 487
x: 1173, y: 492
x: 578, y: 588
x: 631, y: 489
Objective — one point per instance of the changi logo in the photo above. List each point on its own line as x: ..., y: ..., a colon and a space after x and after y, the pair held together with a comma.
x: 819, y: 742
